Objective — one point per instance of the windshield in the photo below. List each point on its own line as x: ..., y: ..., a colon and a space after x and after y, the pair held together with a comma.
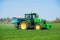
x: 27, y: 16
x: 34, y: 16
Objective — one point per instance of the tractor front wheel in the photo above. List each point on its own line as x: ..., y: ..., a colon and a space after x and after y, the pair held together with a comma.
x: 38, y: 27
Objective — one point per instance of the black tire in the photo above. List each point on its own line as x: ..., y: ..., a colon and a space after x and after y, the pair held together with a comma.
x: 38, y: 27
x: 23, y: 25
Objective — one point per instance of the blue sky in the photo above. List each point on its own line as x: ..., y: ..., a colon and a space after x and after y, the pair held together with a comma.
x: 47, y: 9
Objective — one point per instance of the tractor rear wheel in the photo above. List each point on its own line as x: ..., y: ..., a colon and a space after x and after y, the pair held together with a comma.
x: 23, y: 25
x: 38, y: 27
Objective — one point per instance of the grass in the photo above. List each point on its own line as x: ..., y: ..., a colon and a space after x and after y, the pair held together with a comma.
x: 8, y: 32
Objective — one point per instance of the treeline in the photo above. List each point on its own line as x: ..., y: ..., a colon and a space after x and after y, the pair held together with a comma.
x: 57, y: 20
x: 5, y: 20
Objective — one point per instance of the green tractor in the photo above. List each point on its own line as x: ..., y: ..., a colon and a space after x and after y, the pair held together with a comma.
x: 31, y: 21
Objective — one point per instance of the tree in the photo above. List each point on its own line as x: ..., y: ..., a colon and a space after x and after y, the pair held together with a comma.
x: 1, y: 19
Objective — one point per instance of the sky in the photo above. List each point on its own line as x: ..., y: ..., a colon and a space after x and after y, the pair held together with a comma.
x: 47, y: 9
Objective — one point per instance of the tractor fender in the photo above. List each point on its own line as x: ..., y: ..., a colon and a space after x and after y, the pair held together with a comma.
x: 21, y: 21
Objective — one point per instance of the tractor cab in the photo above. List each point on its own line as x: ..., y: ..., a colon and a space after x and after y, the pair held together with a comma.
x: 31, y: 16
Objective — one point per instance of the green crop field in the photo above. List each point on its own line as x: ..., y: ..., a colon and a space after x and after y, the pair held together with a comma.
x: 8, y: 32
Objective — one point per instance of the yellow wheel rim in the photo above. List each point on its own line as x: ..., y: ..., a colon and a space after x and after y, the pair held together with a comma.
x: 23, y: 25
x: 37, y: 27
